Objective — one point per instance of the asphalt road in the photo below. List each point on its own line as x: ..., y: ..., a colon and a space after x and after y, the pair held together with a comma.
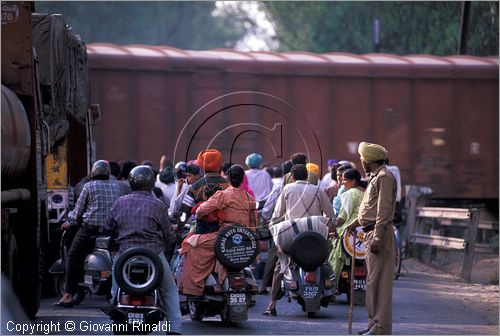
x: 425, y: 302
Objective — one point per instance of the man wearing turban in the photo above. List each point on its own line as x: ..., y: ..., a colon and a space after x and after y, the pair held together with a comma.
x: 210, y: 161
x: 375, y: 216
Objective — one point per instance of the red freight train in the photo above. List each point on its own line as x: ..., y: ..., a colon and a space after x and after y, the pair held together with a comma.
x: 438, y: 116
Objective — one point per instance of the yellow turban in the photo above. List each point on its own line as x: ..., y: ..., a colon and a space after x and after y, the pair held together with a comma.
x: 371, y: 152
x: 312, y: 168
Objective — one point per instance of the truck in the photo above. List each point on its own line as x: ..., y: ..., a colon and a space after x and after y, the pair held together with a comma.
x: 47, y: 145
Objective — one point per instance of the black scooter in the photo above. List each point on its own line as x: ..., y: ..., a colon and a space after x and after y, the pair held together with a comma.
x: 97, y: 269
x: 137, y: 308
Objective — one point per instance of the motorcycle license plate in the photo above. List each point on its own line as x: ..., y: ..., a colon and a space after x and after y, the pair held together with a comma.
x: 310, y: 291
x: 87, y: 279
x: 135, y: 317
x: 237, y: 299
x: 360, y: 284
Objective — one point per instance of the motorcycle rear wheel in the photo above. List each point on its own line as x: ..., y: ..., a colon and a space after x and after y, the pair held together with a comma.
x: 311, y: 314
x: 60, y: 284
x: 359, y: 298
x: 195, y: 312
x: 397, y: 263
x: 225, y: 316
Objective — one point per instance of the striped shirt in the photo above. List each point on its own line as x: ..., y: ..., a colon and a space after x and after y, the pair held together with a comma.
x: 196, y: 193
x: 139, y: 220
x: 95, y: 201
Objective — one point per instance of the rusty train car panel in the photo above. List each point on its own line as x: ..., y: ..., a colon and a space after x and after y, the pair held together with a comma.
x: 438, y: 116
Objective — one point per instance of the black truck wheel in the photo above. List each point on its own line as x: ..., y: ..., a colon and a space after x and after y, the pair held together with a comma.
x: 236, y: 247
x: 138, y: 271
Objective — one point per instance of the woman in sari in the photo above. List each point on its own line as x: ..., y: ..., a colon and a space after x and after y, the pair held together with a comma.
x: 350, y: 201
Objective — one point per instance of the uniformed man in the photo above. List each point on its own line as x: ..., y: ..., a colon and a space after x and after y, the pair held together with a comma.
x: 375, y: 216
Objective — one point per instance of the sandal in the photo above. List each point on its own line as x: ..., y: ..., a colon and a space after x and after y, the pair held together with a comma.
x: 270, y: 312
x: 64, y: 304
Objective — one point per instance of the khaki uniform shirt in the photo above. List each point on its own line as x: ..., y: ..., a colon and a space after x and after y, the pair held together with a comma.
x: 379, y: 201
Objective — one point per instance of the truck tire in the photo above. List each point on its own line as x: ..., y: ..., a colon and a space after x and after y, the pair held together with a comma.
x: 154, y: 268
x: 12, y: 263
x: 236, y: 247
x: 30, y: 282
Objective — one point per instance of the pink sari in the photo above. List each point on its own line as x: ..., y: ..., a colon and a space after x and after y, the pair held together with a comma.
x: 244, y: 186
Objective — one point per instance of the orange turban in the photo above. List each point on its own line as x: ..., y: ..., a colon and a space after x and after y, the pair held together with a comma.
x: 210, y: 160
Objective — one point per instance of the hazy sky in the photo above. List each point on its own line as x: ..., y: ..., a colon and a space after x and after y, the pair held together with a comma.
x: 256, y: 40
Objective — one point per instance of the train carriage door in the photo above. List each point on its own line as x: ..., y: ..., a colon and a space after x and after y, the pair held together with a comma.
x: 433, y: 135
x: 392, y: 111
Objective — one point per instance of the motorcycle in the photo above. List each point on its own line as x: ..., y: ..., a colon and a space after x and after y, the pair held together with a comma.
x: 137, y: 308
x: 97, y: 269
x: 310, y: 281
x: 236, y: 248
x: 360, y: 272
x: 399, y: 247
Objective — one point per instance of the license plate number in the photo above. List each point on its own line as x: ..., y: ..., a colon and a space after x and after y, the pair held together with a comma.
x: 88, y: 279
x: 310, y: 292
x: 237, y: 299
x: 360, y: 284
x: 135, y: 317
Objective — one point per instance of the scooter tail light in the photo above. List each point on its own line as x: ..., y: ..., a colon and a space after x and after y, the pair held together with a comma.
x: 360, y: 271
x: 310, y: 277
x: 129, y: 300
x: 105, y: 274
x: 293, y: 284
x: 344, y: 275
x: 254, y: 289
x: 328, y: 283
x: 237, y: 282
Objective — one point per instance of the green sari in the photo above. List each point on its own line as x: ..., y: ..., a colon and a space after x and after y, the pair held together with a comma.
x: 351, y: 200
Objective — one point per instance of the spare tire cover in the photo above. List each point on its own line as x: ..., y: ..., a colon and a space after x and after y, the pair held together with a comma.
x: 154, y: 271
x: 236, y: 246
x: 309, y: 250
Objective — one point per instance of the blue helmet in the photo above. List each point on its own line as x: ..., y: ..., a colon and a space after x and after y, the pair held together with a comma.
x: 253, y: 160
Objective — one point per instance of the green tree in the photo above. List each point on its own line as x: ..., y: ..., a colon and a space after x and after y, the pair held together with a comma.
x: 181, y: 24
x: 431, y: 27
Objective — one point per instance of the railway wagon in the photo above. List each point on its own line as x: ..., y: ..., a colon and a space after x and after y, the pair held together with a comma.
x: 438, y: 116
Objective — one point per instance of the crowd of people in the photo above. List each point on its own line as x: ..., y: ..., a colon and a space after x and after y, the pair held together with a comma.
x: 141, y: 206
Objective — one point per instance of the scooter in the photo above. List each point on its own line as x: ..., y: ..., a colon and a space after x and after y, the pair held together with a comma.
x: 306, y: 282
x: 137, y: 308
x: 231, y: 300
x: 360, y: 272
x: 97, y: 269
x: 236, y: 248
